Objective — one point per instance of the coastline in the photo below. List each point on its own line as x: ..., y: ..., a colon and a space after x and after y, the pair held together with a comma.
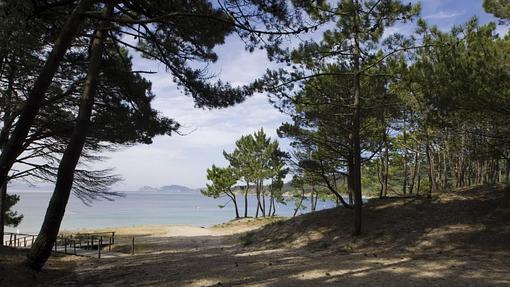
x: 185, y: 230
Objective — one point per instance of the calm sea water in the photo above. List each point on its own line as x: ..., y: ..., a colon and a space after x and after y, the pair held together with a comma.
x: 138, y: 208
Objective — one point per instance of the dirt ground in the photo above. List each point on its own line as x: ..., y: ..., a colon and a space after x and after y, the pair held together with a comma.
x: 455, y: 239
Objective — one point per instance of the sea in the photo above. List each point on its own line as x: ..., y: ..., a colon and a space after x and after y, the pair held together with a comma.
x: 142, y: 208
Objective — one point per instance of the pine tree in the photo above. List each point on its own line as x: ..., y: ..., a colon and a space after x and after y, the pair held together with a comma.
x: 222, y: 182
x: 354, y: 44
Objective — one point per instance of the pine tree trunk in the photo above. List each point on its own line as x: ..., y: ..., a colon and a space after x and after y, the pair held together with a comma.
x: 41, y: 249
x: 446, y: 171
x: 263, y: 199
x: 415, y: 172
x: 41, y: 84
x: 312, y: 199
x: 356, y: 145
x: 257, y: 192
x: 316, y: 200
x: 439, y: 171
x: 3, y: 212
x: 418, y: 186
x: 300, y: 202
x: 274, y: 207
x: 380, y: 175
x: 237, y: 209
x: 234, y: 199
x: 270, y: 204
x: 500, y: 172
x: 507, y: 171
x: 404, y: 184
x: 463, y: 163
x: 386, y: 167
x: 432, y: 173
x: 4, y: 136
x: 246, y: 199
x: 350, y: 182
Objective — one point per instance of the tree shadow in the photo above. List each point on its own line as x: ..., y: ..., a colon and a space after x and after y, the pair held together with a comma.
x: 13, y: 271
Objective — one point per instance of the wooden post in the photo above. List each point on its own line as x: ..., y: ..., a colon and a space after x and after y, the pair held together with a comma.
x: 25, y: 241
x: 74, y: 246
x: 15, y: 241
x: 10, y: 239
x: 65, y: 245
x: 33, y: 238
x: 133, y: 246
x: 113, y: 237
x: 99, y: 247
x: 110, y: 244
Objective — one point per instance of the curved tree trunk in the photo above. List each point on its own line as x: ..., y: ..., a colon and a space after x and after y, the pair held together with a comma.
x: 42, y: 246
x: 300, y: 203
x: 232, y: 196
x: 237, y: 209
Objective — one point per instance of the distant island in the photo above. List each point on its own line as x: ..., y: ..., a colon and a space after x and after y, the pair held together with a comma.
x: 167, y: 188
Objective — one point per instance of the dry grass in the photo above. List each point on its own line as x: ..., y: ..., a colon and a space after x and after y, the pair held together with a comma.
x: 469, y: 219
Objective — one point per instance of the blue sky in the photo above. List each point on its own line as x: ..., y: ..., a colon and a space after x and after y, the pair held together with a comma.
x: 184, y: 159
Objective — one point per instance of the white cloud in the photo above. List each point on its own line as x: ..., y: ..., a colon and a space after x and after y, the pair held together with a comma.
x: 184, y: 159
x: 450, y: 15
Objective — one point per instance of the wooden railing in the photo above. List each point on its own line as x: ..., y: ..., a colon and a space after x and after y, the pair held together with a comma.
x: 19, y: 239
x: 67, y: 244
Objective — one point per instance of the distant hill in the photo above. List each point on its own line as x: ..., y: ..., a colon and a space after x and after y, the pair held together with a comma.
x: 167, y: 188
x: 148, y: 189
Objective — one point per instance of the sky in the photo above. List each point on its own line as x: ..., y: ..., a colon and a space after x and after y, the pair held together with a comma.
x: 183, y: 160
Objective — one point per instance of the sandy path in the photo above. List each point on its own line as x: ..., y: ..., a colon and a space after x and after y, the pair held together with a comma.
x: 193, y: 256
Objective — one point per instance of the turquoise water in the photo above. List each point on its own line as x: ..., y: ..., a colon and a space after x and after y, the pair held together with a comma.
x: 138, y: 208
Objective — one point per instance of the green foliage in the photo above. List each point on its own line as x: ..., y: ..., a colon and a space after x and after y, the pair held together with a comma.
x: 256, y: 159
x: 500, y: 8
x: 432, y: 106
x: 336, y: 89
x: 222, y: 181
x: 12, y: 218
